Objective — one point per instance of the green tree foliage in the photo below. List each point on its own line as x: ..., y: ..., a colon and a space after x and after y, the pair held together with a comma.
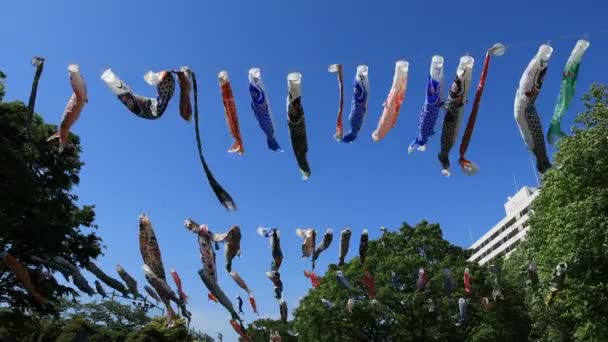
x: 402, y: 312
x: 158, y: 331
x: 260, y: 330
x: 38, y: 212
x: 570, y: 224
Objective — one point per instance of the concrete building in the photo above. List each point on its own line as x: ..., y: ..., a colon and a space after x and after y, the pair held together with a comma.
x: 504, y: 237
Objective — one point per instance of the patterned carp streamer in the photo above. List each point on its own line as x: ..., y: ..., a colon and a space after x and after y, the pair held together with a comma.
x: 566, y: 91
x: 77, y: 278
x: 152, y: 293
x: 432, y: 103
x: 342, y: 281
x: 393, y: 102
x: 218, y: 293
x: 557, y: 281
x: 462, y: 310
x: 337, y: 69
x: 144, y: 107
x: 166, y: 294
x: 239, y: 329
x: 308, y: 245
x: 111, y: 282
x: 275, y: 278
x: 283, y: 309
x: 73, y: 108
x: 261, y: 108
x: 467, y: 281
x: 358, y: 108
x: 232, y: 119
x: 457, y: 98
x: 128, y: 280
x: 254, y: 307
x: 344, y: 244
x: 185, y: 88
x: 21, y: 274
x: 178, y: 283
x: 148, y: 247
x: 240, y: 282
x: 325, y: 243
x: 205, y: 242
x: 100, y: 289
x: 369, y: 284
x: 526, y: 116
x: 363, y: 245
x: 275, y: 246
x: 232, y: 244
x: 296, y: 122
x: 467, y: 166
x: 314, y: 279
x: 423, y: 279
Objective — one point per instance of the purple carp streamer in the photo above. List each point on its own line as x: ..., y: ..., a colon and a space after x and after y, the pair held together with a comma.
x: 327, y: 303
x: 557, y: 282
x: 363, y: 245
x: 432, y: 103
x: 393, y: 102
x: 152, y: 293
x: 358, y: 109
x: 77, y: 278
x: 73, y: 108
x: 344, y: 244
x: 423, y: 279
x: 457, y: 97
x: 337, y: 69
x: 296, y: 122
x: 308, y: 245
x: 240, y: 304
x: 111, y: 282
x: 232, y: 244
x: 325, y: 243
x: 566, y: 92
x: 275, y: 246
x: 526, y: 116
x: 128, y: 280
x: 467, y: 166
x: 261, y: 108
x: 148, y: 247
x: 144, y: 107
x: 21, y: 274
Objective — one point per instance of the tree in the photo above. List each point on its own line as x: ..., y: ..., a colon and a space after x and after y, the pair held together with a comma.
x: 260, y: 330
x: 159, y: 331
x: 38, y: 213
x: 569, y: 224
x: 403, y: 312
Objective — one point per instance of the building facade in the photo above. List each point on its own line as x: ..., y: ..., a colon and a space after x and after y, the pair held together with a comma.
x: 507, y: 234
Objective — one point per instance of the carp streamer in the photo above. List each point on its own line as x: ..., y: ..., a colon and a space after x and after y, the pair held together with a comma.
x: 393, y: 102
x: 261, y: 108
x: 337, y: 69
x: 232, y: 119
x: 38, y: 62
x: 566, y: 91
x: 72, y: 110
x: 467, y: 166
x: 526, y: 116
x: 296, y: 122
x: 358, y: 108
x: 432, y: 103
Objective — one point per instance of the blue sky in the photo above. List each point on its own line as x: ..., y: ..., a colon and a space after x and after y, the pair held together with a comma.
x: 134, y: 165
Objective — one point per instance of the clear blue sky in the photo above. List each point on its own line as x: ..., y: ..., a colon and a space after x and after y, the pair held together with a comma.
x: 134, y: 165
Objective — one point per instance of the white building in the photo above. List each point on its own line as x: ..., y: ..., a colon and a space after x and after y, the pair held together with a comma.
x: 504, y: 237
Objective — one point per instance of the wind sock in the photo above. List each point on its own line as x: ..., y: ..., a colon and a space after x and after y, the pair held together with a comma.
x: 327, y: 239
x: 526, y: 116
x: 152, y: 293
x: 185, y: 87
x: 328, y: 304
x: 432, y: 103
x: 100, y: 289
x: 222, y: 195
x: 261, y: 108
x: 448, y: 281
x: 467, y: 281
x: 314, y: 279
x: 496, y: 287
x: 296, y: 122
x: 53, y: 266
x: 111, y: 282
x: 21, y: 274
x: 239, y: 329
x: 128, y: 280
x: 467, y: 166
x: 393, y: 102
x: 73, y: 108
x: 212, y: 298
x: 337, y: 69
x: 358, y: 108
x: 144, y: 107
x: 214, y: 288
x: 462, y: 309
x: 275, y: 246
x: 532, y: 274
x: 566, y: 91
x: 232, y: 119
x: 205, y: 246
x: 77, y: 278
x: 349, y: 305
x: 275, y: 278
x: 38, y: 62
x: 148, y: 247
x: 308, y: 245
x: 557, y: 281
x: 423, y: 279
x: 342, y: 281
x: 457, y: 97
x: 178, y: 283
x: 368, y: 282
x: 239, y: 281
x: 254, y: 307
x: 344, y: 243
x: 166, y: 294
x: 283, y: 309
x: 240, y: 304
x: 232, y: 244
x: 363, y: 246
